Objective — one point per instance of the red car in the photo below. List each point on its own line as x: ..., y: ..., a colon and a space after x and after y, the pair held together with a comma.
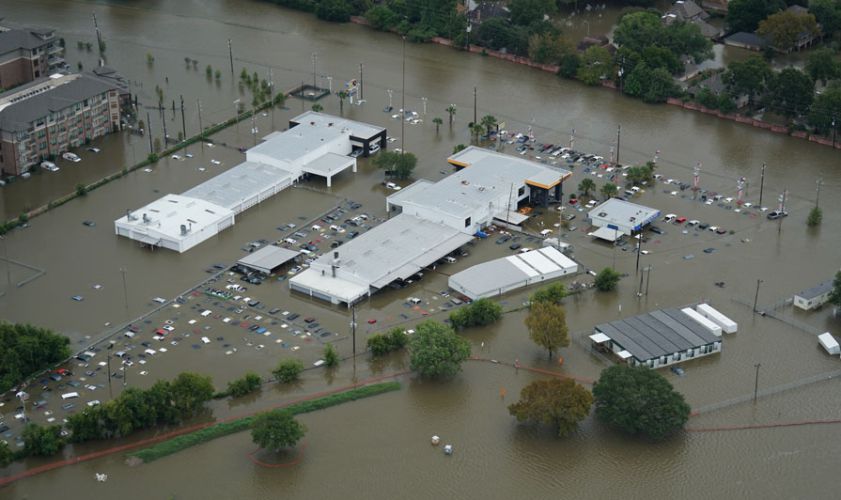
x: 371, y: 321
x: 161, y: 332
x: 680, y: 220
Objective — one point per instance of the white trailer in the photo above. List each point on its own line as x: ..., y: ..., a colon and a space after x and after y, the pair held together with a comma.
x: 829, y: 343
x: 704, y: 322
x: 727, y: 325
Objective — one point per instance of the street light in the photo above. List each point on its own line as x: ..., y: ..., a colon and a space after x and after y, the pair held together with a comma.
x: 756, y: 382
x: 756, y: 296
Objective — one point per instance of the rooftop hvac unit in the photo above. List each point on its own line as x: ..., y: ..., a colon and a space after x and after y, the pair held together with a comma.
x: 146, y: 219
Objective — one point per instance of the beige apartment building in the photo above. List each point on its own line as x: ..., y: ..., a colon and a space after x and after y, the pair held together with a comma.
x: 28, y: 54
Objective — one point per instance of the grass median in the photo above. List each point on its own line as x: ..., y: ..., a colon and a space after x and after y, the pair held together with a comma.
x: 179, y: 443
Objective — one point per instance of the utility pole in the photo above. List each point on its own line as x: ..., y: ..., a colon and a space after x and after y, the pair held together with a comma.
x: 110, y: 390
x: 231, y: 56
x: 163, y: 122
x: 403, y: 104
x: 360, y: 83
x: 833, y: 132
x: 474, y: 106
x: 648, y: 279
x: 149, y: 129
x: 756, y: 295
x: 756, y: 382
x: 271, y: 94
x: 201, y: 128
x: 618, y: 137
x: 314, y: 61
x: 353, y: 328
x: 818, y: 194
x: 761, y: 184
x: 98, y: 39
x: 125, y: 289
x: 639, y: 251
x: 782, y: 210
x: 183, y: 120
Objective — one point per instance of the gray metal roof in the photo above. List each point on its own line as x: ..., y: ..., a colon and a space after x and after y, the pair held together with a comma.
x: 48, y: 95
x: 239, y: 183
x: 747, y: 39
x: 15, y: 39
x: 268, y: 258
x: 657, y: 333
x: 625, y: 213
x: 817, y: 290
x: 328, y: 164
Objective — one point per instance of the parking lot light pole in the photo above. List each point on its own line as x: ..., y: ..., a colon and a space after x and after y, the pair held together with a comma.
x: 756, y: 295
x: 756, y: 382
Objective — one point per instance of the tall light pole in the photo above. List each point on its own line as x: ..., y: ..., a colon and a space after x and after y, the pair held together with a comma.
x: 424, y: 104
x: 314, y: 61
x: 782, y: 209
x: 761, y: 184
x: 756, y: 295
x: 756, y: 382
x: 236, y: 116
x: 125, y: 289
x: 618, y: 137
x: 403, y: 103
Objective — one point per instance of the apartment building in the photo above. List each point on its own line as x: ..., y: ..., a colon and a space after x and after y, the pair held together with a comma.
x: 28, y: 54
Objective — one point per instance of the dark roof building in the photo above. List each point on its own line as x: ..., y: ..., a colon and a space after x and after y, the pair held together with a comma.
x: 745, y: 40
x: 28, y: 54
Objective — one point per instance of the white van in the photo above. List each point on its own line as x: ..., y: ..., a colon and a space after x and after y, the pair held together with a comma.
x: 450, y: 260
x: 70, y: 395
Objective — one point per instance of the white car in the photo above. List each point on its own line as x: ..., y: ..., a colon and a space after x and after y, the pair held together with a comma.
x: 71, y: 157
x: 168, y: 328
x: 392, y: 186
x: 49, y: 166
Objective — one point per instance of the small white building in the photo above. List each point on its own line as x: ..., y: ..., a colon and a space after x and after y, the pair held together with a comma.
x: 813, y: 298
x: 828, y: 342
x: 727, y: 325
x: 616, y: 217
x: 499, y: 276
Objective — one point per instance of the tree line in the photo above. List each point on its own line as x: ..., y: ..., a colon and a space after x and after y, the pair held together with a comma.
x: 26, y: 350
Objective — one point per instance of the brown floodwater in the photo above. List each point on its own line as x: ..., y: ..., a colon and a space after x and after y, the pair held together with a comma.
x: 379, y: 448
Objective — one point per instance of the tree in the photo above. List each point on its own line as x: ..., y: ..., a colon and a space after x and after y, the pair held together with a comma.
x: 596, y: 65
x: 208, y: 72
x: 477, y: 129
x: 318, y: 108
x: 150, y: 59
x: 826, y: 109
x: 189, y: 392
x: 156, y: 144
x: 279, y: 99
x: 26, y: 350
x: 497, y: 33
x: 643, y: 31
x: 815, y: 217
x: 835, y: 294
x: 791, y: 92
x: 331, y: 357
x: 218, y: 75
x: 381, y: 17
x: 548, y: 48
x: 288, y: 370
x: 569, y: 65
x: 548, y: 326
x: 42, y: 441
x: 451, y: 111
x: 436, y: 351
x: 821, y: 65
x: 277, y: 429
x: 437, y: 121
x: 745, y: 15
x: 337, y: 11
x: 552, y: 294
x: 638, y: 400
x: 609, y: 190
x: 7, y: 456
x: 526, y: 12
x: 748, y: 77
x: 459, y: 147
x: 482, y: 312
x: 558, y: 402
x: 489, y: 123
x: 249, y: 383
x: 384, y: 343
x: 607, y: 279
x: 342, y: 95
x: 400, y: 165
x: 828, y: 15
x: 783, y: 29
x: 586, y: 185
x: 652, y: 85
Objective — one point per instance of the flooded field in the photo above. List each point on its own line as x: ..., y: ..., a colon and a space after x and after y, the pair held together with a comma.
x: 379, y: 448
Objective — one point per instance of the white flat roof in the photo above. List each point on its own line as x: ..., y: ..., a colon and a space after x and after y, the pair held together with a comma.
x: 599, y: 338
x: 508, y: 273
x: 239, y: 183
x: 329, y: 164
x: 606, y: 234
x: 297, y: 142
x: 357, y: 129
x: 267, y: 258
x: 624, y: 214
x: 345, y: 291
x: 165, y: 216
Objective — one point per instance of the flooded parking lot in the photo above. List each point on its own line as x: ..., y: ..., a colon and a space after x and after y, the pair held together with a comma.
x: 393, y: 430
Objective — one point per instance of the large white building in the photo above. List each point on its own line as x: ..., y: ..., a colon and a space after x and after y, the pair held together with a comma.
x: 180, y: 222
x: 436, y: 219
x: 616, y: 217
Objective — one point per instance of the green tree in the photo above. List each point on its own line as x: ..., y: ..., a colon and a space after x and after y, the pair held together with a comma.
x: 609, y: 190
x: 547, y: 326
x: 828, y: 15
x: 750, y: 77
x: 451, y: 111
x: 150, y: 59
x: 784, y: 28
x: 384, y: 343
x: 643, y: 31
x: 745, y: 15
x: 399, y: 165
x: 26, y: 350
x: 208, y: 72
x: 596, y: 65
x: 835, y: 294
x: 822, y: 66
x: 815, y: 217
x: 277, y: 429
x: 250, y: 382
x: 482, y: 312
x: 318, y: 108
x: 342, y: 95
x: 791, y: 92
x: 607, y: 279
x: 381, y: 17
x: 217, y: 75
x: 288, y: 370
x: 437, y: 121
x: 826, y: 108
x: 637, y: 400
x: 331, y: 357
x: 436, y: 351
x: 279, y: 99
x: 586, y: 186
x: 558, y: 402
x: 7, y: 456
x: 189, y: 392
x: 459, y: 147
x: 477, y: 129
x: 497, y: 33
x: 569, y: 65
x: 652, y: 85
x: 527, y: 12
x: 489, y: 123
x: 42, y: 441
x: 548, y: 48
x: 157, y: 144
x: 552, y: 294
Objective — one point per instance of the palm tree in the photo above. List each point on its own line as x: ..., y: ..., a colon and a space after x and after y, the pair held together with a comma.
x: 437, y: 121
x: 609, y: 190
x: 477, y: 129
x: 318, y: 108
x: 451, y: 110
x: 342, y: 96
x: 585, y: 186
x: 489, y: 122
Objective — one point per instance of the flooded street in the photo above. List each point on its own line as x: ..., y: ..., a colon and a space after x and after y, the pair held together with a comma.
x: 378, y: 448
